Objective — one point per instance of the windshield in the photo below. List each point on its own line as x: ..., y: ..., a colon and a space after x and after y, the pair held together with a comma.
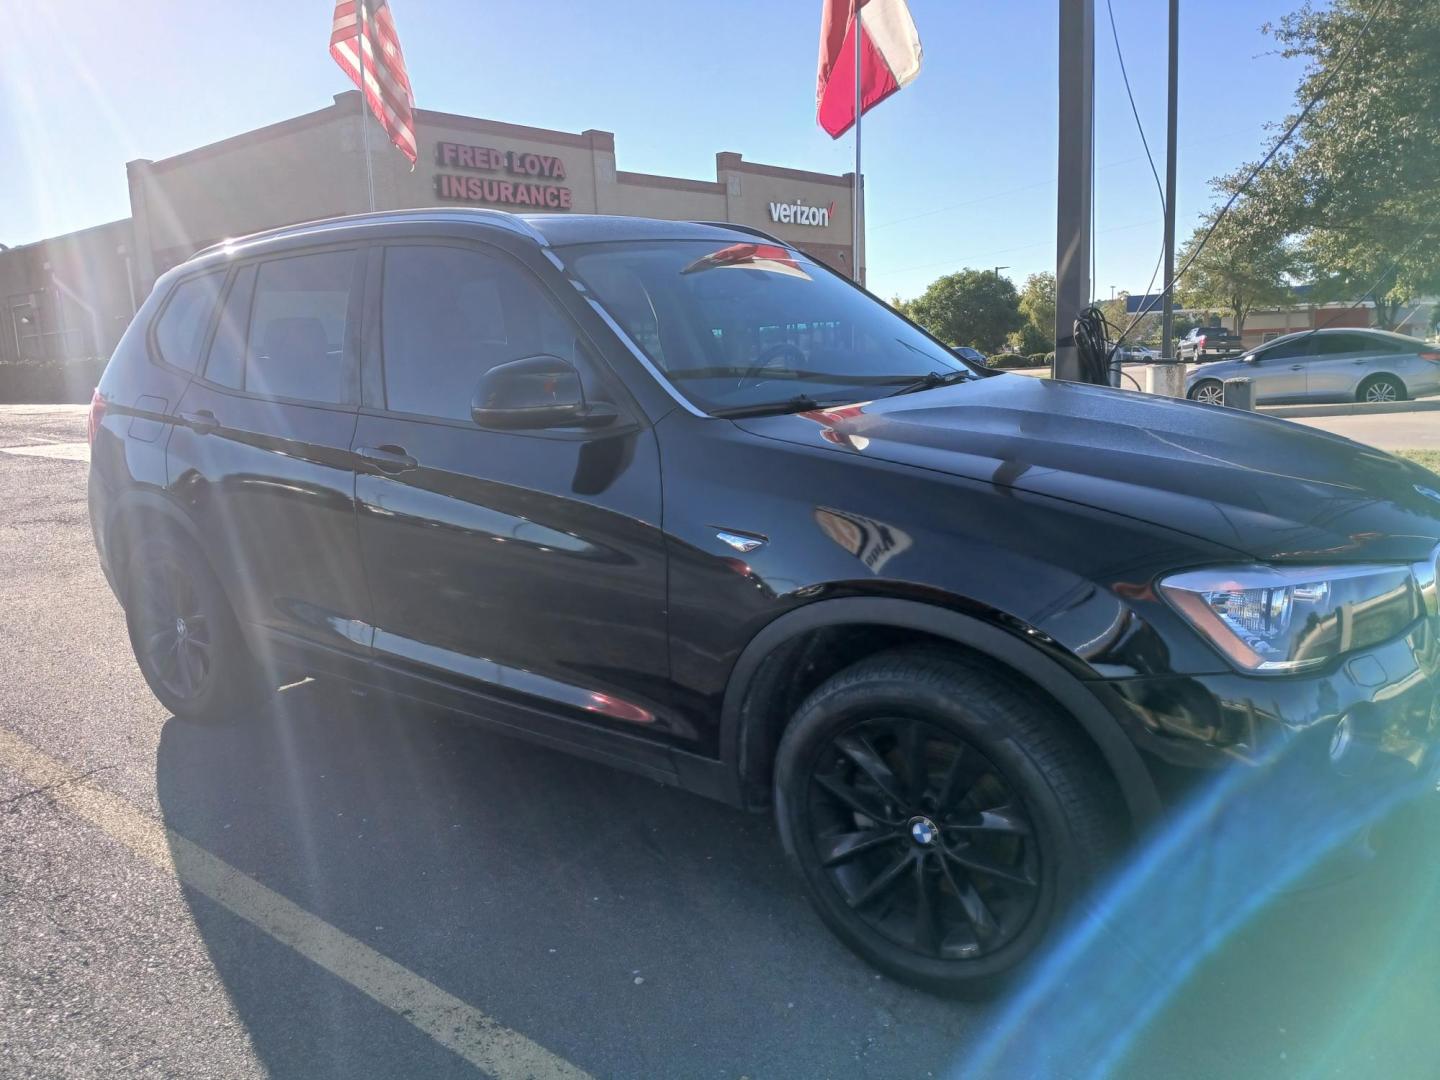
x: 740, y: 327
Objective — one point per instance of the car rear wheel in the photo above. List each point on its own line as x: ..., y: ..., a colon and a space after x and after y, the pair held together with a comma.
x: 943, y: 822
x: 1208, y: 392
x: 1380, y: 388
x: 185, y: 637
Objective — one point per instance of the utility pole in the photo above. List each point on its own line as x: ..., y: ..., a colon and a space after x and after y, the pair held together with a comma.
x: 1073, y: 206
x: 999, y: 268
x: 1167, y: 319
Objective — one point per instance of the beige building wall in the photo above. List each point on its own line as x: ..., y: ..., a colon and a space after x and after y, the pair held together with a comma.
x: 752, y: 188
x: 313, y: 166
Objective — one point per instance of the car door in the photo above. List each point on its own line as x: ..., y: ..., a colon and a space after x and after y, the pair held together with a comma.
x: 1340, y: 363
x: 1278, y: 372
x: 520, y: 575
x: 261, y: 455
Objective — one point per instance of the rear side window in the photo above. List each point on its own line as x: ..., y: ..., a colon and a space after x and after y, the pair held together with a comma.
x: 450, y: 314
x: 180, y: 332
x: 226, y: 365
x: 299, y: 311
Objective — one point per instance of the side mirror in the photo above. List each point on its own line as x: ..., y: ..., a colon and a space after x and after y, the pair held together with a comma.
x: 536, y: 392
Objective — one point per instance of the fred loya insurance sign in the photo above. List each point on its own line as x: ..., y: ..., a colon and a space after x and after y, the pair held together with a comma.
x: 521, y: 178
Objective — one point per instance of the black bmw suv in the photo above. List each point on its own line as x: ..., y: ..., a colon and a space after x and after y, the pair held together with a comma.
x: 676, y: 497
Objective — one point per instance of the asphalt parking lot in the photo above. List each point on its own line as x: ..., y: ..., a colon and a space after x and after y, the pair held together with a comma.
x: 344, y: 888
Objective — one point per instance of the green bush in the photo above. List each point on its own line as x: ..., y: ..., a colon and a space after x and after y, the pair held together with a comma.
x: 1007, y: 360
x: 1038, y: 359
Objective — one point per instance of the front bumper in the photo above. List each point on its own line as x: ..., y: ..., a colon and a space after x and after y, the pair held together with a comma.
x: 1371, y: 717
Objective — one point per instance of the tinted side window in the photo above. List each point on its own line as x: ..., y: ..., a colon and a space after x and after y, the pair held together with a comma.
x: 1370, y: 343
x: 298, y: 316
x: 180, y: 333
x: 226, y: 365
x: 448, y: 315
x: 1337, y: 344
x: 1290, y: 350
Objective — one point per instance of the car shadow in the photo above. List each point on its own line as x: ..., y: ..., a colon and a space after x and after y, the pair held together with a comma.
x: 631, y: 928
x: 637, y: 930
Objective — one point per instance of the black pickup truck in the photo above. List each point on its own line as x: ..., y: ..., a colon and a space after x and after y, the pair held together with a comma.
x: 1206, y: 343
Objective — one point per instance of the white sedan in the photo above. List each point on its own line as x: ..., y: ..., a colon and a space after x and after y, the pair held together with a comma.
x: 1326, y: 365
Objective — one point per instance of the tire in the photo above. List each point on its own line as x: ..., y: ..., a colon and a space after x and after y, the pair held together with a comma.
x: 1208, y: 392
x: 995, y: 868
x: 184, y: 634
x: 1380, y: 388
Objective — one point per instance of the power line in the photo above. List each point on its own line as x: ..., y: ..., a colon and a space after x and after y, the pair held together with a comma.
x: 981, y: 257
x: 1120, y: 56
x: 1207, y: 141
x: 1244, y: 186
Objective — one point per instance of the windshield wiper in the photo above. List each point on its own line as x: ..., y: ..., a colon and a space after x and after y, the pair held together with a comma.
x: 930, y: 380
x: 798, y: 403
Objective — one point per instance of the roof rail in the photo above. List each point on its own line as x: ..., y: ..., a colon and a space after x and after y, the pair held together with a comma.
x: 506, y: 220
x: 746, y: 229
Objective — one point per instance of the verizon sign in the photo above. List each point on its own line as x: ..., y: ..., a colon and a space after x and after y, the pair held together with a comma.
x: 798, y: 213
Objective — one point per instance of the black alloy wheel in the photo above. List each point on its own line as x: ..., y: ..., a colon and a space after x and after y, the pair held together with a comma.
x: 184, y: 635
x: 173, y: 628
x: 924, y: 839
x: 944, y: 817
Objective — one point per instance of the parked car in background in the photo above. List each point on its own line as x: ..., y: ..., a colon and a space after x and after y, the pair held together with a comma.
x: 975, y: 356
x: 1204, y: 344
x: 1327, y: 365
x: 1137, y: 354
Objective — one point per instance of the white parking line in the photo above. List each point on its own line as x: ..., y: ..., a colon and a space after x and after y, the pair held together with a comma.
x: 65, y: 451
x: 453, y: 1023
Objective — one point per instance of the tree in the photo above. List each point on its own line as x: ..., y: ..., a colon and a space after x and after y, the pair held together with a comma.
x: 1356, y: 186
x: 1236, y: 270
x: 1037, y: 309
x: 974, y: 307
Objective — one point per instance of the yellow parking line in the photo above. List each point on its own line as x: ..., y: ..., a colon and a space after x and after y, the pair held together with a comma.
x: 445, y: 1018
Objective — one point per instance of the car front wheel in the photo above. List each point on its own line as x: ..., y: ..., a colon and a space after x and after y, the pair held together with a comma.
x: 942, y: 820
x: 1208, y: 392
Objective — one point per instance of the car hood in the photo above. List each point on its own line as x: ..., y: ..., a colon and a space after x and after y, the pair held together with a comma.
x: 1262, y: 486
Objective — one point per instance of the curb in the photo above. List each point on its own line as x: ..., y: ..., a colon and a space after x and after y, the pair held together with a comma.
x: 1352, y: 408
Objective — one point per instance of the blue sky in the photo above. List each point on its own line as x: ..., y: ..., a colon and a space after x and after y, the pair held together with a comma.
x: 960, y: 165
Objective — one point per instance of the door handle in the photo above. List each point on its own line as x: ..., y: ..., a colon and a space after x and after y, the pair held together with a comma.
x: 1296, y: 367
x: 202, y: 422
x: 386, y: 459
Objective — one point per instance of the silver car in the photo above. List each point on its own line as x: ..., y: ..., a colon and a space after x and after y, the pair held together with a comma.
x: 1326, y: 365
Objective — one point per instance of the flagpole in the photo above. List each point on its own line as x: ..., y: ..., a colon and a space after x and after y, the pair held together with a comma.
x: 364, y: 110
x: 855, y: 205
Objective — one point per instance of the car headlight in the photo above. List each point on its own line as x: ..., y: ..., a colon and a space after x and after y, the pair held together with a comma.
x: 1281, y: 619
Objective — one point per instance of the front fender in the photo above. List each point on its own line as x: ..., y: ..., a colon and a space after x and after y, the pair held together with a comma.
x: 744, y: 746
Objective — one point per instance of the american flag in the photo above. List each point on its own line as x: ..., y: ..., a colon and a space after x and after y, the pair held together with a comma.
x: 365, y: 28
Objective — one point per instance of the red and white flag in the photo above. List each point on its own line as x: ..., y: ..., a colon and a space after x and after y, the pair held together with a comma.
x: 889, y: 58
x: 365, y: 29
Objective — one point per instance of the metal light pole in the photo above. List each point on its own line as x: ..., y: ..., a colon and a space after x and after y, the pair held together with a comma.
x: 999, y: 268
x: 1073, y: 206
x: 1167, y: 318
